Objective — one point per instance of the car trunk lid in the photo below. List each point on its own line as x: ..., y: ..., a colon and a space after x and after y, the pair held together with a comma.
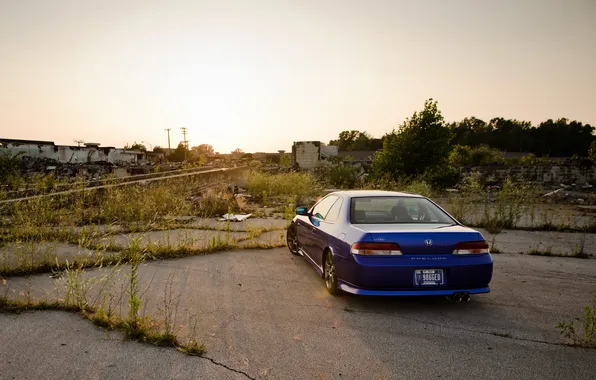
x: 421, y: 239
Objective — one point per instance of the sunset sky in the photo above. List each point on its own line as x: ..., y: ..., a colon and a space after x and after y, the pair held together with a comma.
x: 260, y: 74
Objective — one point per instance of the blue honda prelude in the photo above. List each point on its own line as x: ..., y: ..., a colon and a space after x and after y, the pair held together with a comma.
x: 383, y: 243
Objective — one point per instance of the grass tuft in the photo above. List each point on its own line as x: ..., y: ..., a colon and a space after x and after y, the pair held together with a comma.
x: 193, y: 349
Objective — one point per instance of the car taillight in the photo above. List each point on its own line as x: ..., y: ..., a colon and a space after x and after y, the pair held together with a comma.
x: 471, y: 248
x: 379, y: 249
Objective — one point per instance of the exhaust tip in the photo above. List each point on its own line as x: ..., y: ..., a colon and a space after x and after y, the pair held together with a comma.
x: 466, y: 297
x: 457, y: 297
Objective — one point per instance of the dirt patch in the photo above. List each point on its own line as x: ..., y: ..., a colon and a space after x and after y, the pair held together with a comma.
x: 192, y: 238
x: 32, y: 254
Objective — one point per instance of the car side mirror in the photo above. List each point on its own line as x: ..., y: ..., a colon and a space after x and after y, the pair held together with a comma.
x: 302, y: 211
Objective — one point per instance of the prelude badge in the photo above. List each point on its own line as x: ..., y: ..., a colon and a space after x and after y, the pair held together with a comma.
x: 428, y: 242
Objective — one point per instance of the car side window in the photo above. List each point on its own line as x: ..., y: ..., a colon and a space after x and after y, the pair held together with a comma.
x: 322, y: 208
x: 333, y: 214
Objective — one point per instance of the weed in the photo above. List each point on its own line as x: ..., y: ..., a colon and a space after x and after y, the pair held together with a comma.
x: 78, y: 287
x: 193, y: 348
x: 134, y: 301
x: 494, y: 227
x: 290, y: 209
x: 103, y: 317
x: 579, y: 251
x: 588, y: 339
x: 169, y: 311
x: 163, y: 338
x: 463, y: 201
x: 141, y: 332
x: 10, y: 306
x: 547, y: 252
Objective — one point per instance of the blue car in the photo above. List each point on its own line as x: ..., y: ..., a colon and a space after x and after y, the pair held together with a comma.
x: 389, y: 243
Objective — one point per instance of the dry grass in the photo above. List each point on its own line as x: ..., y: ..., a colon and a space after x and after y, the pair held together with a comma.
x: 300, y: 186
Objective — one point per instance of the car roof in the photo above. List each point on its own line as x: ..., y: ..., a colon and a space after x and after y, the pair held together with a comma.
x: 373, y: 193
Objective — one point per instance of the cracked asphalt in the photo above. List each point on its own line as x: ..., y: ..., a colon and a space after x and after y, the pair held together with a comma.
x: 264, y: 314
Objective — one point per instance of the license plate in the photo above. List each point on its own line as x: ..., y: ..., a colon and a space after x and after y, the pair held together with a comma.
x: 429, y: 277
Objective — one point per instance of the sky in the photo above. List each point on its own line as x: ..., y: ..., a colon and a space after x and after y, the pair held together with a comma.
x: 260, y: 74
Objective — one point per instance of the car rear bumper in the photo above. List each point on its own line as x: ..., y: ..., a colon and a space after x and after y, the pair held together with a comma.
x: 348, y: 288
x: 395, y: 275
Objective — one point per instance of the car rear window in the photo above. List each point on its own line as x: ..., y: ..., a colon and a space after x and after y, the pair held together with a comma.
x: 395, y: 210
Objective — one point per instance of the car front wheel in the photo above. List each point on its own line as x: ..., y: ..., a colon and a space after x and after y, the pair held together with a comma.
x: 291, y: 241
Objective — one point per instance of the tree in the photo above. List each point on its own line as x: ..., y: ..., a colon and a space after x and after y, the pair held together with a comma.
x: 237, y: 153
x: 284, y: 160
x: 203, y: 149
x: 158, y: 149
x: 180, y: 154
x: 420, y: 144
x: 562, y: 139
x: 356, y: 140
x: 136, y: 146
x: 557, y: 138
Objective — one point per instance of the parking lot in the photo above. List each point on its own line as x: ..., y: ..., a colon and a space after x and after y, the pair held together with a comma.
x: 266, y: 314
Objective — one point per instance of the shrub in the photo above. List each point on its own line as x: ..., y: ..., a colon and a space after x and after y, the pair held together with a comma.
x: 461, y: 155
x: 343, y: 176
x: 512, y: 161
x: 9, y: 169
x: 419, y: 187
x: 442, y: 176
x: 484, y: 155
x: 528, y: 160
x: 255, y: 164
x: 592, y: 151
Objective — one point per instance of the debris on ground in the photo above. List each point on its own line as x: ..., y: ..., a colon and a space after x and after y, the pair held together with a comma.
x: 235, y: 217
x: 551, y: 193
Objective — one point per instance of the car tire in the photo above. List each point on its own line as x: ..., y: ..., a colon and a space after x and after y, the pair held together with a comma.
x: 291, y: 241
x: 330, y: 274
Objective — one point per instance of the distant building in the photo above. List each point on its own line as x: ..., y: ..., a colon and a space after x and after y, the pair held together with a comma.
x: 310, y: 154
x: 90, y: 153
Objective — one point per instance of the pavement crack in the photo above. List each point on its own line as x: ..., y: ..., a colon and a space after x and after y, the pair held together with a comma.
x: 227, y: 367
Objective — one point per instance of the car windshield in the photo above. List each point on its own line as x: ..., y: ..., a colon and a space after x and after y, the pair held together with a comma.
x: 396, y: 209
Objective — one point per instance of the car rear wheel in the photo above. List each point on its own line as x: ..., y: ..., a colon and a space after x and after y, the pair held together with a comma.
x: 291, y: 241
x: 330, y: 274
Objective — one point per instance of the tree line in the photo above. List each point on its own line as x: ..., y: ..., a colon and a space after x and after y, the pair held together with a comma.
x: 425, y: 146
x: 552, y: 138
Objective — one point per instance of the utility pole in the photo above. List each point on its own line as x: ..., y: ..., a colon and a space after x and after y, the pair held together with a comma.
x: 168, y: 129
x: 185, y: 141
